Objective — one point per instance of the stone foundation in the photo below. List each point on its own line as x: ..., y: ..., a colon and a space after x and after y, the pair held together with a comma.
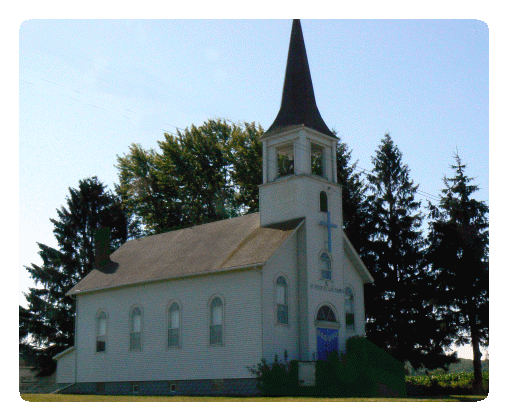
x: 236, y: 387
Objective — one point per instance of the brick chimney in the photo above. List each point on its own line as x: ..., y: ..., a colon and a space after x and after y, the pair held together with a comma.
x: 102, y: 246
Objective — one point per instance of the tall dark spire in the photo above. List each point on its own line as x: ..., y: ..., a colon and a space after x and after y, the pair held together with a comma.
x: 298, y: 104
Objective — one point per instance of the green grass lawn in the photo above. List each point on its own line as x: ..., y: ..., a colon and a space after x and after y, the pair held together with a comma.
x: 118, y: 398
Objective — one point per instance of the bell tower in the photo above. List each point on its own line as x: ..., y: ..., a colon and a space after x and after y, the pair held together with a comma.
x: 300, y: 182
x: 298, y: 149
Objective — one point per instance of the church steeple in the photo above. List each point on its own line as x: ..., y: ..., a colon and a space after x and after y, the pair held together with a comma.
x: 298, y: 104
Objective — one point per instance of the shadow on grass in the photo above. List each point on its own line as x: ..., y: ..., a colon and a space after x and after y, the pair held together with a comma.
x: 468, y: 398
x: 113, y: 398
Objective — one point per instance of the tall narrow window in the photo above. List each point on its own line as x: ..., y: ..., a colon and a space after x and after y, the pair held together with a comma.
x: 317, y: 160
x: 216, y: 318
x: 349, y: 308
x: 324, y: 207
x: 325, y: 267
x: 135, y: 328
x: 101, y: 331
x: 285, y: 160
x: 281, y: 301
x: 174, y: 325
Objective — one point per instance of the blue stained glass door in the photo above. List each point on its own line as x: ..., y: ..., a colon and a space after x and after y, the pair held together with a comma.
x: 327, y: 341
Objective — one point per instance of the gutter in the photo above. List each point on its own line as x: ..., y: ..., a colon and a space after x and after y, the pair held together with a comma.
x: 180, y: 276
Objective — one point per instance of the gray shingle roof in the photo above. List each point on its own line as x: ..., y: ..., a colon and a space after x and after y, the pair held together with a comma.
x: 217, y: 246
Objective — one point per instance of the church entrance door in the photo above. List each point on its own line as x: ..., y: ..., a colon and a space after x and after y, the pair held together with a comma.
x: 327, y: 341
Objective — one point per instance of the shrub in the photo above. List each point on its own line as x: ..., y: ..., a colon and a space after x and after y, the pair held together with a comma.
x: 365, y: 370
x: 444, y: 384
x: 278, y: 378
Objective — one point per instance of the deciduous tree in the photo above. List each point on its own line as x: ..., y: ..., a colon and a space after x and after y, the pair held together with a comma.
x: 199, y: 175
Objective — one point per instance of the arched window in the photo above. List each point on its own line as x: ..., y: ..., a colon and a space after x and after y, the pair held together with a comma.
x: 135, y: 328
x: 325, y: 267
x: 101, y: 331
x: 216, y: 322
x: 174, y: 325
x: 285, y: 160
x: 317, y: 160
x: 281, y: 301
x: 324, y: 206
x: 325, y: 313
x: 349, y: 308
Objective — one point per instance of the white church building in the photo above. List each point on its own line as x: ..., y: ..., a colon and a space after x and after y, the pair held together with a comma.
x: 188, y: 311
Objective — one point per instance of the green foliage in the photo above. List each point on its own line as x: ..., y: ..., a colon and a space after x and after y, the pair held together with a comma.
x: 399, y: 316
x: 202, y: 174
x: 364, y: 371
x: 150, y: 203
x: 444, y: 384
x: 46, y: 326
x: 278, y: 378
x: 458, y: 259
x: 356, y: 219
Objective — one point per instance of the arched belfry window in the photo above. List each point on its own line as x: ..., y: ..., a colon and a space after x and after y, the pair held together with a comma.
x: 324, y: 205
x: 285, y: 160
x: 135, y: 328
x: 281, y: 301
x: 317, y: 160
x: 349, y: 308
x: 216, y: 322
x: 326, y: 314
x: 325, y: 267
x: 101, y: 332
x: 174, y: 333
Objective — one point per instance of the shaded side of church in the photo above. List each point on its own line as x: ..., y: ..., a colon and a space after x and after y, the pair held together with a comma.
x: 188, y: 311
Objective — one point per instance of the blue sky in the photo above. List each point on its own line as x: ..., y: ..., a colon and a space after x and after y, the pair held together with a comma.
x: 88, y: 89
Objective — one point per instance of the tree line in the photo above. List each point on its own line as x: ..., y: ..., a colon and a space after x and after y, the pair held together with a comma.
x: 430, y: 289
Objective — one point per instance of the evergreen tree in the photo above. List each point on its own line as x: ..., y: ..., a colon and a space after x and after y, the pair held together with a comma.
x: 46, y: 326
x: 355, y: 213
x: 458, y: 258
x: 398, y: 317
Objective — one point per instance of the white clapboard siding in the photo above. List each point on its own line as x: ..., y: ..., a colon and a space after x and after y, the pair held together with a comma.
x: 196, y: 359
x: 278, y: 338
x: 66, y: 368
x: 355, y: 281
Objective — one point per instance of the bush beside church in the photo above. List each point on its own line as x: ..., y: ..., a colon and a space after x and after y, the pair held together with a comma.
x: 364, y: 371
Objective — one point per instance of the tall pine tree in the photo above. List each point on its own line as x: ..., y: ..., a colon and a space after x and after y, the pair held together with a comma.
x: 458, y: 258
x: 355, y: 213
x: 398, y: 316
x: 47, y: 324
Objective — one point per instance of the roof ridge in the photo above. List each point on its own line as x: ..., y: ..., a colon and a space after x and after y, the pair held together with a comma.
x: 189, y: 227
x: 238, y: 247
